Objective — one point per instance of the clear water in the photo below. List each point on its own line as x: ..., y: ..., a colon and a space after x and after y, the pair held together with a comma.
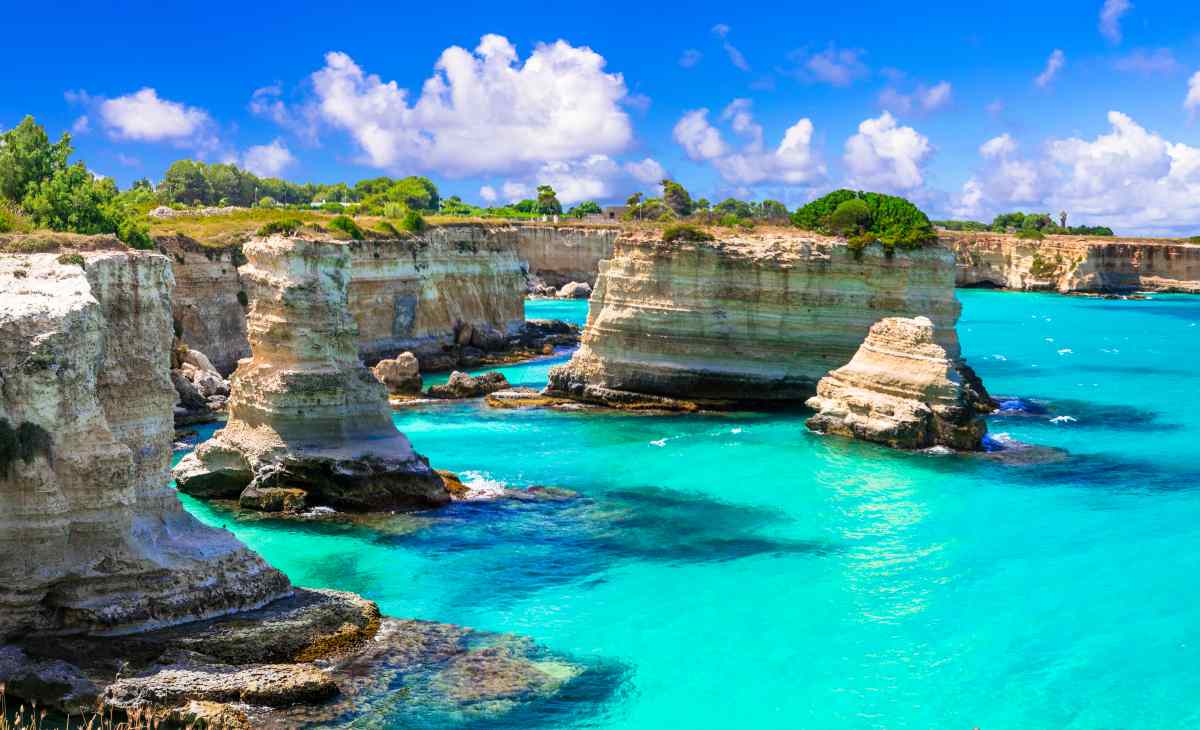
x: 741, y: 572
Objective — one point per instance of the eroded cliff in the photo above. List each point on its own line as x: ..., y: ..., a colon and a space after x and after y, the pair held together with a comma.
x: 752, y: 317
x: 1074, y: 263
x: 92, y: 537
x: 559, y: 255
x: 208, y: 306
x: 308, y: 423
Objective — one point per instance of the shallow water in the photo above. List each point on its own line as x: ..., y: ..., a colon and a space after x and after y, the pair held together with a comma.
x: 737, y: 571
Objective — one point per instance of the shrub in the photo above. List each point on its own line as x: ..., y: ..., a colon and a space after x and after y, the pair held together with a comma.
x: 134, y: 233
x: 283, y: 227
x: 68, y: 259
x: 1194, y: 239
x: 1031, y: 234
x: 333, y: 208
x: 394, y: 210
x: 12, y: 220
x: 851, y: 216
x: 412, y: 222
x: 685, y: 232
x: 242, y: 299
x: 389, y: 229
x: 894, y: 221
x: 347, y: 226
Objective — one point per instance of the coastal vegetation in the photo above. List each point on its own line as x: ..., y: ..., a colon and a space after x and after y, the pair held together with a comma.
x: 865, y: 218
x: 685, y: 232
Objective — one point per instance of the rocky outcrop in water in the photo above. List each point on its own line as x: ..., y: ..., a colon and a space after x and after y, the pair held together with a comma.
x: 575, y: 290
x: 461, y: 385
x: 304, y: 412
x: 401, y: 375
x: 1074, y: 263
x: 92, y: 537
x: 749, y: 318
x: 905, y: 388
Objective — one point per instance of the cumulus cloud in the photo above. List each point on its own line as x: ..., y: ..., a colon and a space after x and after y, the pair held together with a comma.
x: 144, y: 116
x: 647, y: 171
x: 1054, y: 64
x: 595, y: 177
x: 482, y: 111
x: 268, y: 160
x: 1110, y: 18
x: 81, y: 125
x: 998, y: 147
x: 922, y: 99
x: 792, y: 162
x: 690, y: 58
x: 1158, y: 61
x: 1192, y: 101
x: 301, y: 120
x: 885, y: 156
x: 488, y: 193
x: 1129, y: 178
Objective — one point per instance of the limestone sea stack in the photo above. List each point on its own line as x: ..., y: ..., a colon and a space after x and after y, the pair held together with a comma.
x: 92, y: 537
x: 905, y: 388
x: 749, y: 318
x: 308, y: 424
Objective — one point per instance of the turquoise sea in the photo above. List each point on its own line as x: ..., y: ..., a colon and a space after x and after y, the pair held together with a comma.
x: 736, y: 571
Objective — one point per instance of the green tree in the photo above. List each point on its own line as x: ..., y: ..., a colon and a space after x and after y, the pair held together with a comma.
x: 587, y: 207
x: 27, y: 157
x: 773, y: 210
x: 185, y: 182
x: 547, y: 201
x: 676, y: 197
x: 850, y: 217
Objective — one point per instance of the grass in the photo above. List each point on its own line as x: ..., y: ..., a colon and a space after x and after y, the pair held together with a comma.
x: 30, y: 717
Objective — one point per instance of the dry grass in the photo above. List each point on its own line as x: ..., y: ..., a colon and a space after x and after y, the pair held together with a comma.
x: 28, y: 716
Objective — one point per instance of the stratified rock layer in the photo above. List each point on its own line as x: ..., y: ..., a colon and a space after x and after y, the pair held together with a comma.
x: 304, y: 412
x: 903, y: 388
x: 92, y: 537
x: 750, y: 318
x: 207, y: 306
x: 1074, y: 263
x: 559, y: 255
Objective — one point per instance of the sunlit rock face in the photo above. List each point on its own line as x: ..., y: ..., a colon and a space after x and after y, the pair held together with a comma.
x: 207, y: 305
x: 905, y: 389
x: 92, y: 537
x: 1074, y: 263
x: 559, y: 255
x: 751, y: 317
x: 304, y: 412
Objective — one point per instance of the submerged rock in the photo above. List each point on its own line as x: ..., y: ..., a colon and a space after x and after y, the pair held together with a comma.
x: 462, y: 385
x: 304, y: 413
x: 92, y: 538
x: 905, y: 388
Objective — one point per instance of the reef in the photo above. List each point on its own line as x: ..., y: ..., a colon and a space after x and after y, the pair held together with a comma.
x: 750, y: 318
x: 905, y: 388
x: 92, y: 537
x: 305, y: 415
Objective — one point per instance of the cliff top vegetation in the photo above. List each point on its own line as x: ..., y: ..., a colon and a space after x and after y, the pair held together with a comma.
x: 865, y: 218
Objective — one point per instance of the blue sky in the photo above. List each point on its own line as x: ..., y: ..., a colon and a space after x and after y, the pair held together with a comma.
x: 958, y: 106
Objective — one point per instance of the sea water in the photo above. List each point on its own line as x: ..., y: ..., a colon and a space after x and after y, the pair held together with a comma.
x: 736, y: 571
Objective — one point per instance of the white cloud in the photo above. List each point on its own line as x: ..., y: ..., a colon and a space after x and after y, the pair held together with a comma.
x: 592, y: 178
x: 996, y: 147
x: 647, y: 171
x: 1110, y: 18
x: 923, y: 99
x: 721, y: 30
x: 886, y: 157
x: 690, y: 58
x: 302, y: 120
x: 1158, y: 61
x: 144, y: 116
x: 488, y: 193
x: 81, y: 125
x: 514, y: 191
x: 793, y: 162
x: 1192, y: 101
x: 481, y: 111
x: 837, y: 67
x: 699, y: 139
x: 268, y: 160
x: 1054, y: 64
x: 735, y: 56
x: 1129, y: 178
x: 638, y: 102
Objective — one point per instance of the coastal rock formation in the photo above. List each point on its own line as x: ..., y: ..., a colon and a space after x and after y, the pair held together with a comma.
x: 575, y: 290
x: 200, y: 390
x: 92, y: 537
x: 1074, y: 263
x: 400, y: 375
x: 753, y: 317
x: 417, y: 294
x: 462, y: 385
x: 304, y: 412
x: 558, y: 255
x: 209, y: 306
x: 906, y: 388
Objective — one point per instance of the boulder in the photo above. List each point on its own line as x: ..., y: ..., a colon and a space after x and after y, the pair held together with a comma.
x: 199, y: 360
x: 401, y: 375
x: 575, y: 290
x: 906, y: 388
x: 462, y: 385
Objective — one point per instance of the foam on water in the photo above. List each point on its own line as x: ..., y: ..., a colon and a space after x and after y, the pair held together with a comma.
x: 775, y: 579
